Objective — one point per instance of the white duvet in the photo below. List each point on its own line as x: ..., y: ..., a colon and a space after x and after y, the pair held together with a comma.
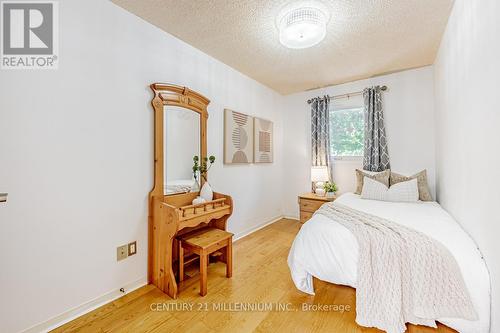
x: 328, y: 251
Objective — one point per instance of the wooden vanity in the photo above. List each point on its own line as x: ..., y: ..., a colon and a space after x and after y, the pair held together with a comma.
x: 171, y: 215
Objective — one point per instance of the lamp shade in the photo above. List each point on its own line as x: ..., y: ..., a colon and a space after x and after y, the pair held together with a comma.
x: 319, y: 174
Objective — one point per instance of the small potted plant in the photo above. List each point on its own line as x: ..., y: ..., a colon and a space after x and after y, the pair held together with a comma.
x: 330, y: 189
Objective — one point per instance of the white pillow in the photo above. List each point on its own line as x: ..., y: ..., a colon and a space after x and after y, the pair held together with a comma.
x: 400, y: 192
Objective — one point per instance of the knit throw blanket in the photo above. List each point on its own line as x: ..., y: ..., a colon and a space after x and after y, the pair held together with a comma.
x: 403, y: 275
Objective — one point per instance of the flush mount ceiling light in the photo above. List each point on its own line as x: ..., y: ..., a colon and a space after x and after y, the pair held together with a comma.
x: 302, y: 24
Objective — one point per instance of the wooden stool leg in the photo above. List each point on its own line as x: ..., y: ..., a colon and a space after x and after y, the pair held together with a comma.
x: 181, y: 262
x: 203, y: 273
x: 229, y: 258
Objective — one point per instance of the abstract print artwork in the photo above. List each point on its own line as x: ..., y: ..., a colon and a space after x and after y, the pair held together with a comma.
x: 263, y: 141
x: 238, y: 142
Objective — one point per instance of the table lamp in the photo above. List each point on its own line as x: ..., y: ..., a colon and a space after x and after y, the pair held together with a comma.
x: 319, y: 174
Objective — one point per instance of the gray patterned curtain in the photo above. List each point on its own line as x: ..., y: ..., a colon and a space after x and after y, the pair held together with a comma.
x: 376, y: 153
x: 320, y: 133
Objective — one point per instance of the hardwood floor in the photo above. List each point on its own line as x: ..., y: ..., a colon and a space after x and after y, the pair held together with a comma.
x: 260, y: 277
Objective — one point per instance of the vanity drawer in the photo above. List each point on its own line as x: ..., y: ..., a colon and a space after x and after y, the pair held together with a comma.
x: 304, y: 216
x: 310, y: 205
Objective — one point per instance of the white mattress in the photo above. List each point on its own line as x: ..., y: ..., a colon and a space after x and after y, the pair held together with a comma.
x: 328, y: 251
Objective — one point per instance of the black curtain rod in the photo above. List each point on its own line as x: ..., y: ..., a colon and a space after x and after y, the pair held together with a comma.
x: 383, y: 88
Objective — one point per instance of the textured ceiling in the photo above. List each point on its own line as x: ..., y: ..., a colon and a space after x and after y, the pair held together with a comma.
x: 364, y: 37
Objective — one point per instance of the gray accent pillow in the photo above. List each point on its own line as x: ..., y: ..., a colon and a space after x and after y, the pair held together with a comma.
x: 381, y: 177
x: 423, y: 189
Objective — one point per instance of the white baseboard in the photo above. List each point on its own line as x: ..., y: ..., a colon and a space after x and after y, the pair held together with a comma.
x: 86, y: 307
x: 91, y: 305
x: 254, y: 229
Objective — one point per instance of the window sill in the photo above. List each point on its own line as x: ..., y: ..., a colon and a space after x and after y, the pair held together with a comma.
x: 341, y: 159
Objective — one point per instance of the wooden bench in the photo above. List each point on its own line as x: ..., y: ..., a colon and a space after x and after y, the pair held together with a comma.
x: 204, y: 242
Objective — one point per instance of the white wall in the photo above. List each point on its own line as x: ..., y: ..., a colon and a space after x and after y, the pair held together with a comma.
x: 76, y: 156
x: 76, y: 147
x: 467, y: 70
x: 409, y: 118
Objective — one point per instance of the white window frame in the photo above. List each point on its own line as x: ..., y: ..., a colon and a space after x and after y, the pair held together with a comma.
x: 352, y: 158
x: 348, y: 158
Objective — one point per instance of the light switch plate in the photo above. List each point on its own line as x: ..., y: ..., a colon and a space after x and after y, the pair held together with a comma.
x: 132, y: 248
x: 121, y: 252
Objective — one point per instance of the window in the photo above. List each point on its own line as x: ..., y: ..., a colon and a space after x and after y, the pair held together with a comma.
x: 347, y: 132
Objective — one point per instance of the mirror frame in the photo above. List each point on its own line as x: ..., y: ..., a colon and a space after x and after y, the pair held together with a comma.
x: 166, y: 94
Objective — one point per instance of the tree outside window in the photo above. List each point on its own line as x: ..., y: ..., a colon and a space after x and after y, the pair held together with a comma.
x: 347, y: 132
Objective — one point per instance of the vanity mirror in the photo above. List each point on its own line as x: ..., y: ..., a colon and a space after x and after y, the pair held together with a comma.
x: 181, y: 142
x: 180, y: 132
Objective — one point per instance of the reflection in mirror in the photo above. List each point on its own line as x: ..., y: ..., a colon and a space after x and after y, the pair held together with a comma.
x: 181, y: 143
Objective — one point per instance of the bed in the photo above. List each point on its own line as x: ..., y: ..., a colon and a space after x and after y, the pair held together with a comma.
x: 328, y: 251
x: 178, y: 186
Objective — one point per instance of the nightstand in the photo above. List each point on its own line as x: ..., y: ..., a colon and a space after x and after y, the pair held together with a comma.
x: 309, y: 203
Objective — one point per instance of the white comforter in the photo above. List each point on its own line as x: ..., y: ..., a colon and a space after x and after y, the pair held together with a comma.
x: 328, y: 251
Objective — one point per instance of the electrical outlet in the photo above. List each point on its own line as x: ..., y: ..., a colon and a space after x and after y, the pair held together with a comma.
x: 132, y: 248
x: 121, y: 252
